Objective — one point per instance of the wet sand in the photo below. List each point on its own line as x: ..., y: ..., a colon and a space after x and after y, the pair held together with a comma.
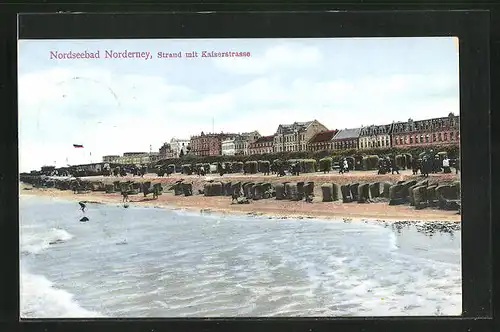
x: 269, y: 207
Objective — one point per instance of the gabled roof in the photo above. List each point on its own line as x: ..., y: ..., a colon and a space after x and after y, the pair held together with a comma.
x: 323, y: 136
x: 347, y: 133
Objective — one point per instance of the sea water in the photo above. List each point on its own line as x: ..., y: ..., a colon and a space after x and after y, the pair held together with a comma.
x: 150, y: 262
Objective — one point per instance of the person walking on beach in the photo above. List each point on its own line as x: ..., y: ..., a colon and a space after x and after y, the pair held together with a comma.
x: 394, y: 167
x: 124, y: 193
x: 426, y: 166
x: 346, y: 166
x: 446, y: 165
x: 414, y: 166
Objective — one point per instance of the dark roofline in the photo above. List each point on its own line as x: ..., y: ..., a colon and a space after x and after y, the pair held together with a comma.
x: 263, y: 139
x: 324, y: 133
x: 356, y: 131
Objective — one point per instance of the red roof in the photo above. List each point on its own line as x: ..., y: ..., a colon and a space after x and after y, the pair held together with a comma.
x: 323, y: 136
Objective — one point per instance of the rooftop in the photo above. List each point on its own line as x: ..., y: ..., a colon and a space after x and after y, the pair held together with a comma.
x: 221, y: 134
x: 375, y: 129
x: 323, y: 136
x: 347, y: 133
x: 295, y: 126
x: 128, y: 154
x: 265, y: 139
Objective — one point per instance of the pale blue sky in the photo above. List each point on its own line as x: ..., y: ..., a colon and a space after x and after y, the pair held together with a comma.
x: 120, y: 105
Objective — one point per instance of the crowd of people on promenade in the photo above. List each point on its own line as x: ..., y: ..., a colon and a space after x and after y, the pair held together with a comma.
x: 425, y: 165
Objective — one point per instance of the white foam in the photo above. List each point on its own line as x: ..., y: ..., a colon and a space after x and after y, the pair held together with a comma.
x: 393, y: 241
x: 39, y: 299
x: 36, y: 242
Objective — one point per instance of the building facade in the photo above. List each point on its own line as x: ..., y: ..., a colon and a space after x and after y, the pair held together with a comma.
x: 437, y: 131
x: 138, y: 158
x: 346, y: 139
x: 209, y: 144
x: 177, y: 145
x: 154, y: 157
x: 373, y: 137
x: 228, y: 147
x: 322, y: 141
x: 242, y: 141
x: 294, y: 137
x: 133, y: 158
x: 166, y: 151
x: 110, y: 158
x: 262, y: 145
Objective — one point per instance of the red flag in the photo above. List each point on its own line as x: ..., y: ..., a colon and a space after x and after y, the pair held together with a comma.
x: 77, y: 146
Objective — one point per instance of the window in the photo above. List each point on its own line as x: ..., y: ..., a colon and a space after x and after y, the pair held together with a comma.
x: 411, y: 139
x: 433, y: 137
x: 440, y: 138
x: 427, y: 138
x: 445, y: 136
x: 451, y: 136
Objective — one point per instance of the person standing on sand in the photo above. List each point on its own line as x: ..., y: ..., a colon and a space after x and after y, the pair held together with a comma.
x: 125, y: 196
x: 414, y: 166
x: 394, y: 167
x: 426, y: 166
x: 446, y: 165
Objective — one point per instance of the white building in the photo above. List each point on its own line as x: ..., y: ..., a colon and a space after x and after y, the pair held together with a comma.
x: 177, y: 145
x: 228, y: 147
x: 373, y: 137
x: 110, y: 158
x: 140, y: 158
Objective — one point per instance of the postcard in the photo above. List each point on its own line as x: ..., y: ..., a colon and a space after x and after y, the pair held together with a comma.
x: 240, y: 177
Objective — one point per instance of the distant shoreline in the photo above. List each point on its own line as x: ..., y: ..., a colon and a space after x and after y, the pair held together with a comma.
x: 271, y: 208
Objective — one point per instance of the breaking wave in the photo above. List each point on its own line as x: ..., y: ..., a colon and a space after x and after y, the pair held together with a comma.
x: 33, y: 242
x: 39, y: 298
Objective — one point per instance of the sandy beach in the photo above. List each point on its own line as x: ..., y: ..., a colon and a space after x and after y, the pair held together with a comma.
x: 269, y: 207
